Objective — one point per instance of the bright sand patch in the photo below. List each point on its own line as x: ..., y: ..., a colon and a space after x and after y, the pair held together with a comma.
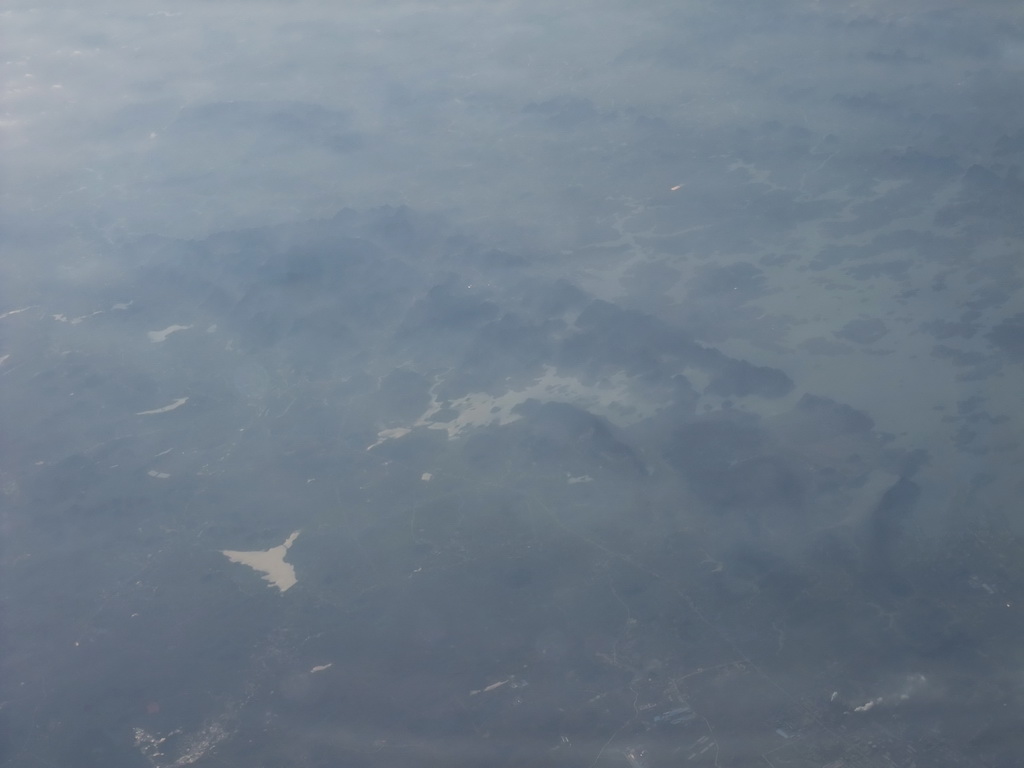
x: 160, y: 336
x: 269, y: 562
x: 176, y: 404
x: 480, y: 409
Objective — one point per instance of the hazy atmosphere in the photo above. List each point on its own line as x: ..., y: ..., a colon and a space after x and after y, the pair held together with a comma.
x: 414, y: 384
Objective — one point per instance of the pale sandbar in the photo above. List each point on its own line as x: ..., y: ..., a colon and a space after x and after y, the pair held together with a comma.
x: 269, y: 562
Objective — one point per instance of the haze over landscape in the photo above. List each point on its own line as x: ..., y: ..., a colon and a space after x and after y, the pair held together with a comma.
x: 506, y: 384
